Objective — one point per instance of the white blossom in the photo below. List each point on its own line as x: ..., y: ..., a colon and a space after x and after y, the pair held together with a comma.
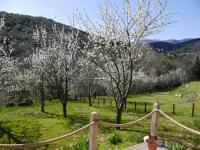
x: 114, y: 41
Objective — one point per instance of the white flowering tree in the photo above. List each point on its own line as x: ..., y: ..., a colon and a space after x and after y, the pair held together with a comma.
x: 40, y: 64
x: 114, y: 44
x: 56, y: 59
x: 88, y: 79
x: 6, y: 71
x: 6, y: 64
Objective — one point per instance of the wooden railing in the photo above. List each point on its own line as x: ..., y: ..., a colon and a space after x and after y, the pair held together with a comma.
x: 94, y: 123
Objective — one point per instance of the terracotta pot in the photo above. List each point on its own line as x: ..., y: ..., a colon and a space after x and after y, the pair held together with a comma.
x: 152, y: 145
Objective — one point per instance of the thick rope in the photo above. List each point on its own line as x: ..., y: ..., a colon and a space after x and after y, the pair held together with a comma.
x: 31, y: 145
x: 179, y: 124
x: 126, y: 124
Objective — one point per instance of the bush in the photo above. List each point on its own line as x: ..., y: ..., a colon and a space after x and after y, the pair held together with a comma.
x: 176, y: 147
x: 115, y: 139
x: 81, y: 145
x: 135, y: 138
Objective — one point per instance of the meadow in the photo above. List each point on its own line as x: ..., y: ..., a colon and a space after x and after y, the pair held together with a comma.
x: 27, y: 124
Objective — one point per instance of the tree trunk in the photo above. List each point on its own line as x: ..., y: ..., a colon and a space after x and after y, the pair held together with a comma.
x: 64, y: 103
x: 42, y: 100
x: 42, y: 106
x: 95, y: 95
x: 118, y: 116
x: 64, y: 109
x: 89, y: 100
x: 41, y: 89
x: 89, y: 97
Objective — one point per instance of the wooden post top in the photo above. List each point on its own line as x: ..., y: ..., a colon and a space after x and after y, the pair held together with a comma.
x: 156, y: 105
x: 93, y: 113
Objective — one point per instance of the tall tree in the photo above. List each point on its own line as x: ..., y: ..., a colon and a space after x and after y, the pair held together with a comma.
x: 57, y: 59
x: 114, y: 44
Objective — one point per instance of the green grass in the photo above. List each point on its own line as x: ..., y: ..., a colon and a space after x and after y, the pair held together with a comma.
x: 28, y: 124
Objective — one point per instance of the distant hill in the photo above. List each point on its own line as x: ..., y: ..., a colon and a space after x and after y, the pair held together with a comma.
x: 175, y: 46
x: 18, y: 29
x: 174, y: 41
x: 171, y: 41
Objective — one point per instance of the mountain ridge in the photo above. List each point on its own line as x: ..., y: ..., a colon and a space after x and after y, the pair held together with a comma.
x: 190, y: 45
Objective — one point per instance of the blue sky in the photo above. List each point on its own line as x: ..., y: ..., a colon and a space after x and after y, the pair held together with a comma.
x: 188, y: 13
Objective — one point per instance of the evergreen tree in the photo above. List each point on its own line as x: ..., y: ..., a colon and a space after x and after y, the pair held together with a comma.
x: 195, y: 70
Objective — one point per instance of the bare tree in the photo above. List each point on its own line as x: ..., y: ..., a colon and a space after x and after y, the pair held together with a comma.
x: 114, y: 44
x: 57, y: 59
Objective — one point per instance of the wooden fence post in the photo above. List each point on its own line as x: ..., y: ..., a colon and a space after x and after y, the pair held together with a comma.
x: 173, y: 109
x: 93, y: 131
x: 154, y: 121
x: 193, y: 104
x: 152, y: 142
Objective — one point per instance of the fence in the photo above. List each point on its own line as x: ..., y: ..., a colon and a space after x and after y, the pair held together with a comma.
x: 95, y: 122
x: 109, y: 103
x: 174, y: 109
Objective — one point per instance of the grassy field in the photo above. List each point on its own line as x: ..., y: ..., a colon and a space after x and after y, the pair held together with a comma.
x: 28, y: 124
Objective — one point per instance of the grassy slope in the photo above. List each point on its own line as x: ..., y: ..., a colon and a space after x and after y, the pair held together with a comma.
x: 28, y: 124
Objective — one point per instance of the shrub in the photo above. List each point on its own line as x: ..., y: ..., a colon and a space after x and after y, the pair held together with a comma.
x: 115, y: 139
x: 81, y: 145
x: 176, y: 147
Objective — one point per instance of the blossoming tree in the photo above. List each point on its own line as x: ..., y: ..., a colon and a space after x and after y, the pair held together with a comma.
x: 6, y: 64
x: 114, y: 43
x: 56, y: 59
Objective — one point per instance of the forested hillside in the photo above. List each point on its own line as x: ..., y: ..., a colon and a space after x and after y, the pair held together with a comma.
x: 18, y: 31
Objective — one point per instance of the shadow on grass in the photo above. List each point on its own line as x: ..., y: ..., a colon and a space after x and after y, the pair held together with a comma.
x: 19, y: 132
x: 6, y: 132
x: 78, y: 119
x: 53, y: 114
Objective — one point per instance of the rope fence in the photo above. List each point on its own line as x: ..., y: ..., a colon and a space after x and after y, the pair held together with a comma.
x: 94, y: 123
x: 179, y: 124
x: 49, y: 141
x: 106, y: 124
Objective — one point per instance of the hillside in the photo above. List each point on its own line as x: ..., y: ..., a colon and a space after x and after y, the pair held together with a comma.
x: 18, y: 30
x: 188, y: 46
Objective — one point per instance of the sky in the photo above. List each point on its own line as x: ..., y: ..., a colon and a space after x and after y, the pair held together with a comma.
x: 187, y: 13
